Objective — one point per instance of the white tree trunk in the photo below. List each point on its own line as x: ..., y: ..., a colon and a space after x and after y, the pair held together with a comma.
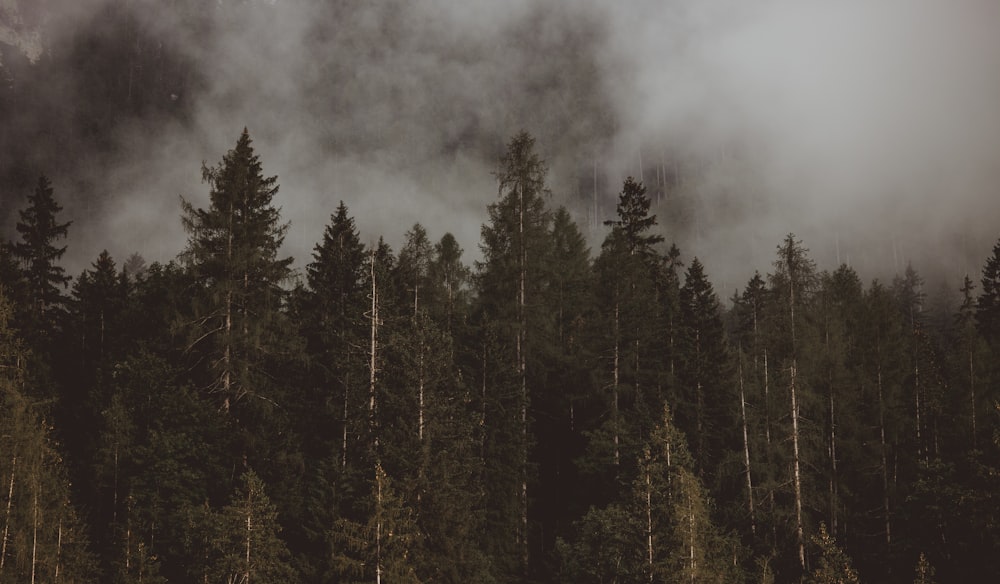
x: 797, y: 475
x: 6, y: 524
x: 746, y: 446
x: 614, y: 386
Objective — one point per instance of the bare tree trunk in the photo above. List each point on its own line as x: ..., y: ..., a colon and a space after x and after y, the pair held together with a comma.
x: 420, y: 391
x: 833, y: 463
x: 522, y: 537
x: 767, y: 403
x: 972, y: 394
x: 885, y: 462
x: 34, y: 532
x: 372, y: 361
x: 649, y: 519
x: 59, y: 533
x: 614, y: 386
x: 691, y: 545
x: 246, y: 569
x: 378, y: 524
x: 746, y: 445
x: 797, y: 475
x: 228, y: 326
x: 6, y: 525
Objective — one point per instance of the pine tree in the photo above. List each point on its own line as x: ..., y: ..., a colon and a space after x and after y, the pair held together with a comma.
x: 988, y: 304
x: 380, y: 548
x: 245, y: 544
x: 331, y: 313
x: 233, y: 251
x: 41, y: 536
x: 793, y: 284
x: 511, y: 281
x: 681, y: 542
x: 628, y: 277
x: 38, y: 255
x: 450, y: 278
x: 834, y: 565
x: 413, y: 269
x: 924, y: 571
x: 702, y: 371
x: 971, y: 358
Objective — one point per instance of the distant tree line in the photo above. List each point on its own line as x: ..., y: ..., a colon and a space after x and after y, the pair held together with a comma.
x: 544, y: 415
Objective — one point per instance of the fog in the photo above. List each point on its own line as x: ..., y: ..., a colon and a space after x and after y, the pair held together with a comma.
x: 869, y: 128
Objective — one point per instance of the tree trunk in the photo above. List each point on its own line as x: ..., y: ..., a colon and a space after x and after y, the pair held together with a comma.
x: 246, y: 569
x: 34, y: 531
x: 797, y: 475
x: 6, y: 524
x: 372, y: 362
x: 746, y: 446
x: 972, y: 393
x: 883, y: 449
x: 649, y: 519
x: 614, y: 386
x: 767, y: 404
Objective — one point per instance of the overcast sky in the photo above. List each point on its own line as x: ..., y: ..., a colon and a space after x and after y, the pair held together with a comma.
x: 870, y: 128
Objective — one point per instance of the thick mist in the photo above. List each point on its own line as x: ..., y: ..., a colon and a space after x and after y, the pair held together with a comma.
x: 868, y: 128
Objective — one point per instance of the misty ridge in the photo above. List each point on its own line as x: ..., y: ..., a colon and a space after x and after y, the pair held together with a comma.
x: 869, y: 128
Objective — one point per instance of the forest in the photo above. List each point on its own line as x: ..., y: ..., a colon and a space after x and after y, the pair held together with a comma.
x: 547, y: 413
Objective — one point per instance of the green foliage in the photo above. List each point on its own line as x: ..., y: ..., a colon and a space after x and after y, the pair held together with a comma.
x: 988, y: 304
x: 245, y: 546
x: 607, y: 547
x: 233, y: 253
x: 381, y: 546
x: 833, y: 566
x: 41, y: 534
x: 634, y: 220
x: 38, y: 254
x: 924, y: 571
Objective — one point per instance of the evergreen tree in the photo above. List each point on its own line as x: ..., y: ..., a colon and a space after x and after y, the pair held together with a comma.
x: 969, y: 360
x: 628, y: 277
x: 41, y: 536
x: 38, y: 254
x: 834, y: 566
x: 380, y: 547
x: 511, y: 281
x: 924, y: 571
x: 331, y: 313
x: 246, y: 546
x: 988, y: 304
x: 233, y: 251
x: 451, y: 278
x: 681, y: 542
x: 413, y: 268
x: 703, y: 410
x: 793, y: 285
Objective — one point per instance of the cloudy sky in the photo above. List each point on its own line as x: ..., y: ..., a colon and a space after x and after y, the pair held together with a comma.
x: 870, y: 128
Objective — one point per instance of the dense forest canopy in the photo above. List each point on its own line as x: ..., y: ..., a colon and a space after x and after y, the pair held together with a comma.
x: 584, y: 367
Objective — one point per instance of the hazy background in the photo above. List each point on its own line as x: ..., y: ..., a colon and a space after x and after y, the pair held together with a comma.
x: 870, y: 128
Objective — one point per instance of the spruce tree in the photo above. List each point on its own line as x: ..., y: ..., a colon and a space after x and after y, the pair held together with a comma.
x: 245, y: 543
x: 450, y: 278
x: 834, y: 566
x: 988, y: 304
x: 793, y: 285
x: 233, y: 252
x: 511, y: 281
x: 628, y: 275
x: 38, y: 255
x: 703, y: 411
